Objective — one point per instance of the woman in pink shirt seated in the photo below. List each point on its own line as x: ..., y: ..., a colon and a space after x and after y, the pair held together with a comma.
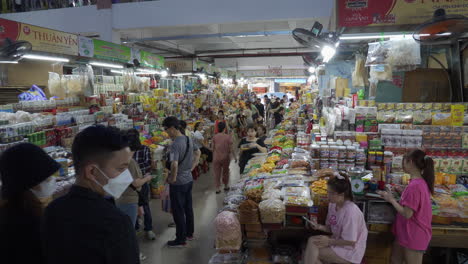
x: 412, y: 227
x: 345, y: 222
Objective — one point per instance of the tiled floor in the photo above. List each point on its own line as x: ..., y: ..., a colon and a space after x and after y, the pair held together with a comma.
x: 206, y: 205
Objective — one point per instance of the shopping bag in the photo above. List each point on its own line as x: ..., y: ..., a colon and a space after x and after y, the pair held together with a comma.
x: 165, y: 200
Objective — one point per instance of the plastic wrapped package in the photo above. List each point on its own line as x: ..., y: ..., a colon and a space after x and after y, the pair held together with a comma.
x: 381, y: 73
x: 228, y: 231
x: 55, y: 86
x: 248, y: 212
x: 297, y: 201
x: 293, y: 183
x: 272, y: 211
x: 254, y: 195
x: 86, y: 74
x: 296, y: 191
x: 271, y: 194
x: 230, y: 258
x: 234, y: 199
x: 377, y: 53
x: 359, y: 76
x: 253, y: 184
x: 272, y: 184
x: 73, y: 85
x: 299, y: 163
x: 404, y: 53
x: 235, y: 192
x: 230, y: 208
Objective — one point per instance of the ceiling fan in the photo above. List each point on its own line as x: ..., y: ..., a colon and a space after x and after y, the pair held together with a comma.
x: 314, y: 38
x: 441, y: 28
x: 13, y: 50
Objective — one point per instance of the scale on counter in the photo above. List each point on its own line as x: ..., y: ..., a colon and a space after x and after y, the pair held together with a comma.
x: 357, y: 184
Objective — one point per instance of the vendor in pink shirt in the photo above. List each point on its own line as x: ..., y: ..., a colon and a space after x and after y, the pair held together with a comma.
x: 345, y: 221
x: 412, y: 227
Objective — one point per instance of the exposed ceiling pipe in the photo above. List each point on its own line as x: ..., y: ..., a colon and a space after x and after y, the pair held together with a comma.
x: 244, y: 55
x: 344, y: 37
x: 215, y: 35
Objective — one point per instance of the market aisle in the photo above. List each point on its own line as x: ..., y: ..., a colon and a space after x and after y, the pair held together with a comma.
x: 206, y: 205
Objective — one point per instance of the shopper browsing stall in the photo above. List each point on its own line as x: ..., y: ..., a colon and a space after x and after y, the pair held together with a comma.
x: 182, y: 159
x: 221, y: 118
x: 199, y: 141
x: 279, y: 116
x: 128, y: 201
x: 222, y: 152
x: 261, y: 109
x: 412, y: 227
x: 20, y: 208
x: 345, y: 222
x: 249, y: 146
x: 142, y: 156
x: 83, y: 226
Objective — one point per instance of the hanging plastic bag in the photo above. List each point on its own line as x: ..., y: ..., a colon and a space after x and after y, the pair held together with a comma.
x: 381, y: 72
x: 55, y: 87
x: 377, y: 53
x: 404, y: 54
x: 360, y: 76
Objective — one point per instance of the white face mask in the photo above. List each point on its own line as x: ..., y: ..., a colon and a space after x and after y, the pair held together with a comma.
x: 116, y: 186
x: 46, y: 188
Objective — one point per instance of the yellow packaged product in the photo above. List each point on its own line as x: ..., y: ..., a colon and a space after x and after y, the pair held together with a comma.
x: 458, y: 113
x: 442, y: 119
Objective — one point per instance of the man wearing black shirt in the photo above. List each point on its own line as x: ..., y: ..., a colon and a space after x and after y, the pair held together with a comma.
x: 260, y: 107
x: 85, y: 226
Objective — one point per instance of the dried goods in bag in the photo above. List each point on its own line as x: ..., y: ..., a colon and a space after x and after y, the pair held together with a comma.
x: 228, y: 231
x: 272, y: 211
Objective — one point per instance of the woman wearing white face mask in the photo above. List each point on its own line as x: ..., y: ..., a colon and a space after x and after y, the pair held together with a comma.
x: 26, y: 179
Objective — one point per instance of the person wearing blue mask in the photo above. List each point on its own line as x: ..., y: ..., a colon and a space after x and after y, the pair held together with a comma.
x: 85, y: 226
x: 26, y: 176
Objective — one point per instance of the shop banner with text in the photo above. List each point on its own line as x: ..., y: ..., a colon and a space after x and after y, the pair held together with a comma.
x: 111, y: 51
x: 151, y: 60
x: 41, y: 39
x: 359, y: 13
x: 179, y: 66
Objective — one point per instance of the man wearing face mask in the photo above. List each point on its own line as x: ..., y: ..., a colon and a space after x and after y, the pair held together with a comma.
x: 182, y: 160
x: 85, y: 226
x: 20, y: 208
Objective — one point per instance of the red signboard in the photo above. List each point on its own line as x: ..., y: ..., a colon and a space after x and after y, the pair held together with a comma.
x: 358, y: 13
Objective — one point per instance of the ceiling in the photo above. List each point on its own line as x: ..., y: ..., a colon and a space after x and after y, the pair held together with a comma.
x: 216, y: 39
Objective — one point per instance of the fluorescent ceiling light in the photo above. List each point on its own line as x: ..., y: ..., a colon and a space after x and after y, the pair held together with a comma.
x: 182, y: 74
x: 390, y: 35
x: 327, y: 53
x: 164, y: 73
x: 8, y: 62
x: 145, y: 71
x: 106, y: 65
x: 45, y: 58
x: 118, y: 72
